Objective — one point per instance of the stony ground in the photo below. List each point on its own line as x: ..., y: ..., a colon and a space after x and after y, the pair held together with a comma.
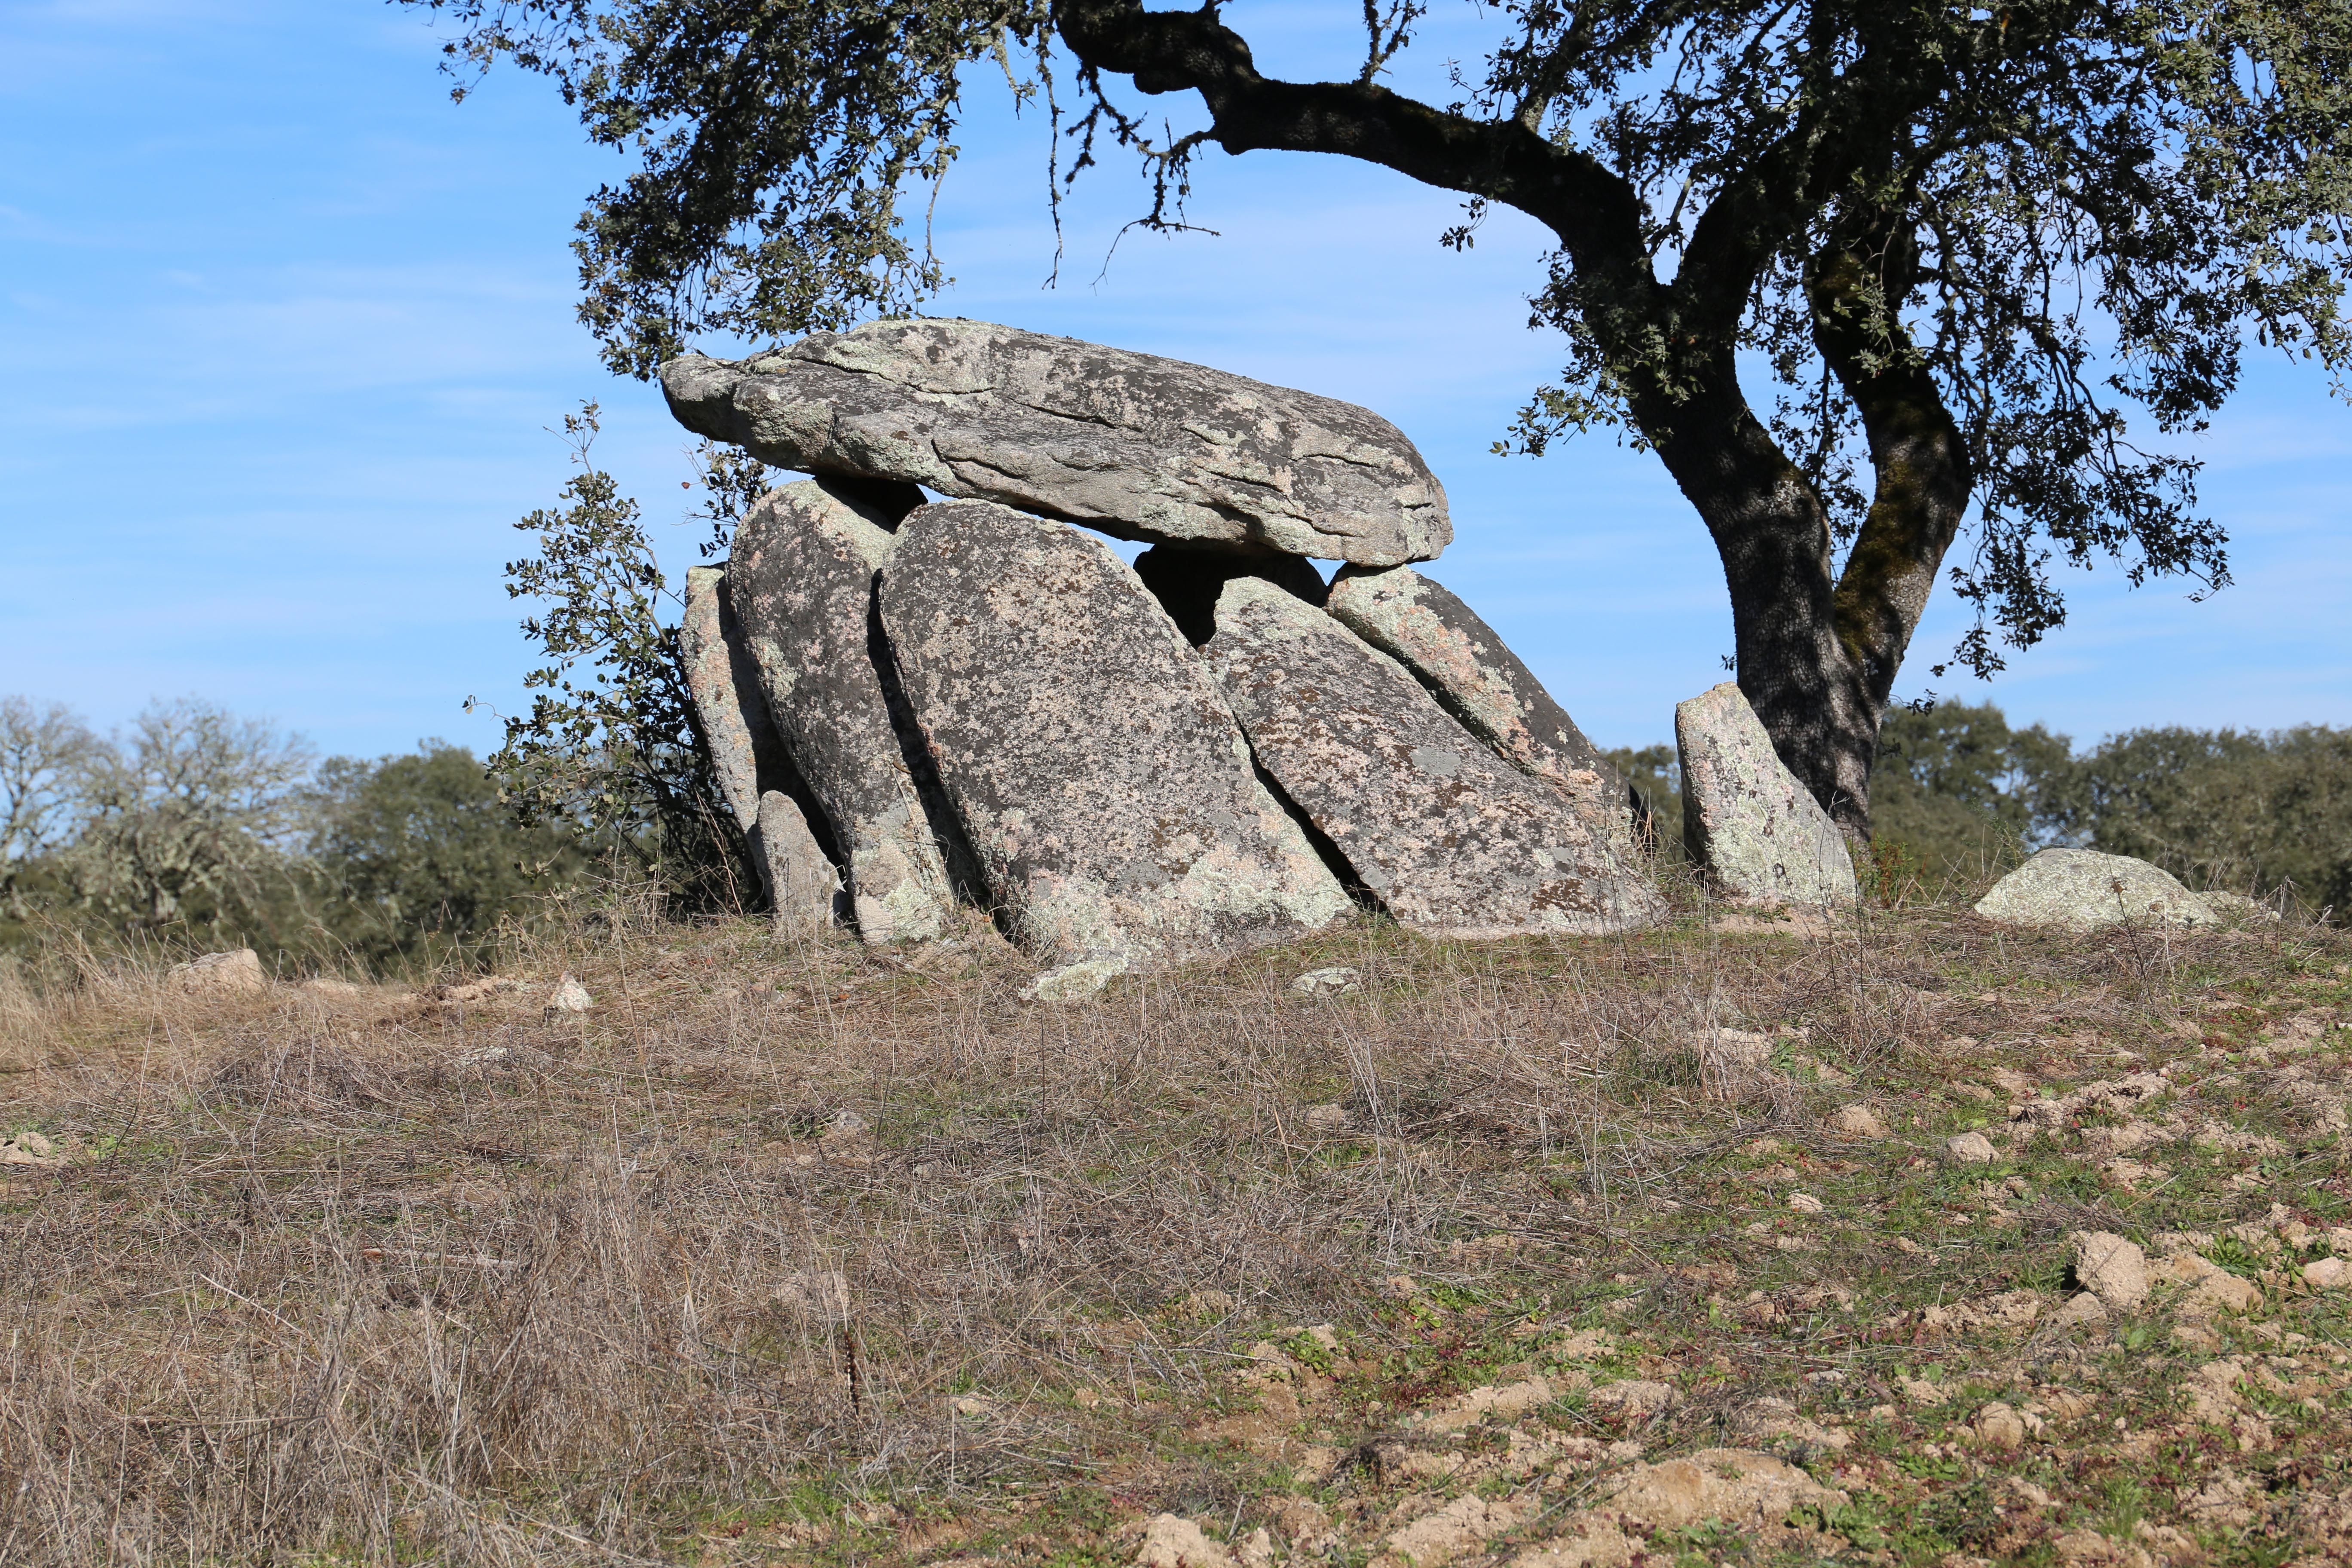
x: 1907, y: 1242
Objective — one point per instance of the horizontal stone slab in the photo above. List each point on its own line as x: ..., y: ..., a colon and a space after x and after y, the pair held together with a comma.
x: 1132, y: 444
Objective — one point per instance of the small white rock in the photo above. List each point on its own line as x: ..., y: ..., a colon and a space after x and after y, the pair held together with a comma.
x: 1075, y: 982
x: 569, y: 996
x: 1857, y: 1121
x: 1334, y: 981
x: 1970, y: 1148
x: 237, y: 971
x: 2329, y: 1273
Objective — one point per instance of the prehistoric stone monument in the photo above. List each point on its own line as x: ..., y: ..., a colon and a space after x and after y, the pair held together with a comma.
x: 970, y: 701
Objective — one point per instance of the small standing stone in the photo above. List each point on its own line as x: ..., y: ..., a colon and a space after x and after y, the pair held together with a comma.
x: 2111, y: 1267
x: 1092, y: 761
x: 803, y: 886
x: 1759, y: 833
x: 2081, y: 889
x: 1455, y: 842
x: 745, y: 751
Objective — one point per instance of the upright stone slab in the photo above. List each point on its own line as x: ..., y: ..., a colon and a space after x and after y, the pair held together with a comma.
x: 2081, y: 889
x: 1759, y: 833
x: 746, y: 753
x: 1477, y: 678
x: 802, y: 573
x: 1187, y: 582
x: 1099, y: 776
x: 805, y: 888
x: 1455, y: 842
x: 1132, y: 444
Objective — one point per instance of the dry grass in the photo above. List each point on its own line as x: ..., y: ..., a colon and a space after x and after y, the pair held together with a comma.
x: 368, y: 1277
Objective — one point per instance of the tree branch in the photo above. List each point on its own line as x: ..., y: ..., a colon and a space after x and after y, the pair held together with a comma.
x: 1594, y: 212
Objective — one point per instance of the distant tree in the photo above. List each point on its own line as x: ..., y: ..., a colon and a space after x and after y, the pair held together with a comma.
x: 423, y: 858
x: 1654, y: 773
x: 1962, y: 790
x: 2225, y: 808
x: 1959, y: 239
x: 189, y: 820
x: 45, y: 757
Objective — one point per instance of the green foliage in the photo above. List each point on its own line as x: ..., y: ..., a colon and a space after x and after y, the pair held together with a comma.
x: 188, y: 822
x: 425, y: 859
x: 1958, y: 791
x: 609, y: 756
x: 45, y: 756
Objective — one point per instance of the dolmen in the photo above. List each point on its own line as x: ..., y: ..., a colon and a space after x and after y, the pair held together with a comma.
x: 914, y: 705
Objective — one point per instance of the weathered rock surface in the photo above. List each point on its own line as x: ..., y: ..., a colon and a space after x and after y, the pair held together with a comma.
x: 804, y: 887
x: 2111, y: 1267
x: 2081, y: 889
x: 802, y: 577
x: 1476, y: 678
x: 238, y: 969
x: 1187, y: 582
x: 1454, y: 841
x: 746, y: 753
x: 1099, y: 776
x: 1135, y: 445
x: 1758, y: 831
x: 724, y: 681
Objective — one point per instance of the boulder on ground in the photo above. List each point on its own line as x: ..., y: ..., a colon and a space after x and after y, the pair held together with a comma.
x: 1455, y: 842
x: 2081, y: 889
x: 746, y: 753
x: 1093, y: 766
x: 803, y: 577
x: 1759, y: 833
x: 1187, y: 582
x: 2110, y: 1267
x: 1133, y: 444
x: 238, y: 970
x: 1477, y: 678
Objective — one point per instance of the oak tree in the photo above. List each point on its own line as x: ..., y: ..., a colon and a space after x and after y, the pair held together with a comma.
x: 1954, y: 243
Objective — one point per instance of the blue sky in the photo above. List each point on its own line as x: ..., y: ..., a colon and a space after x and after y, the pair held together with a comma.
x: 283, y: 331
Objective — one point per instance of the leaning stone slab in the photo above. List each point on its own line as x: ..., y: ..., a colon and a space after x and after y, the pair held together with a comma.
x: 1454, y: 841
x: 1476, y: 678
x: 1759, y: 833
x: 802, y: 573
x: 1097, y: 774
x: 2081, y: 889
x: 1129, y: 443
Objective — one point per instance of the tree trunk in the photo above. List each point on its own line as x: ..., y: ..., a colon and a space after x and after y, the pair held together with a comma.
x: 1773, y: 536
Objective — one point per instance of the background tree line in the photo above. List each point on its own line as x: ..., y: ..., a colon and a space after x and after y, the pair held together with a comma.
x: 194, y: 828
x: 1958, y: 796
